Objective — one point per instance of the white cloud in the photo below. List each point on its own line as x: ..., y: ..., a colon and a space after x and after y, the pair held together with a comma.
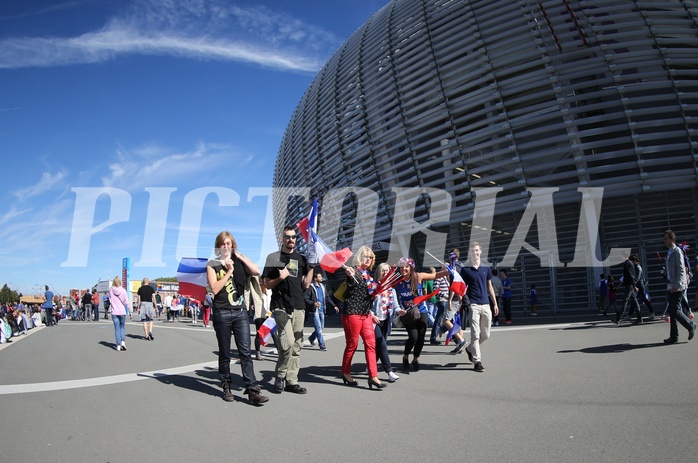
x: 48, y: 181
x: 200, y: 30
x: 152, y: 165
x: 12, y: 214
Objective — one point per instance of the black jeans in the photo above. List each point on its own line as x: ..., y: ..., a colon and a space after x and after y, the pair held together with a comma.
x: 507, y: 308
x: 235, y: 322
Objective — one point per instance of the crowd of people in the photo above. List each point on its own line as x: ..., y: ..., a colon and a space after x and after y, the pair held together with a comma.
x: 292, y: 292
x: 370, y: 304
x: 677, y: 275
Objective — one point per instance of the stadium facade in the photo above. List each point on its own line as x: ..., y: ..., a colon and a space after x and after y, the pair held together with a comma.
x: 559, y: 134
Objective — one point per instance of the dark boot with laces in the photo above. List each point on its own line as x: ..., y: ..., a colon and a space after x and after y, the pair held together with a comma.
x: 227, y: 394
x: 255, y: 395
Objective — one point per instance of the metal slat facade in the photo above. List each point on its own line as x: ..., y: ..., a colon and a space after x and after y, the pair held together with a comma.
x: 461, y: 95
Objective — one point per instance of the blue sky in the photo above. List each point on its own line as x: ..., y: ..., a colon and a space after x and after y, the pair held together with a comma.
x: 147, y: 103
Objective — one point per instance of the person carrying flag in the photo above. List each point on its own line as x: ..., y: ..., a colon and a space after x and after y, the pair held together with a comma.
x: 410, y: 293
x: 226, y: 276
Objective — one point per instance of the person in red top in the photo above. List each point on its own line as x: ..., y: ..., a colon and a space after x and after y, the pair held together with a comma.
x: 95, y: 304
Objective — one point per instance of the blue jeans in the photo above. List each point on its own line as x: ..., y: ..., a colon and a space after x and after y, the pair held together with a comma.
x: 431, y: 313
x: 234, y: 323
x: 438, y: 319
x: 119, y: 328
x: 677, y: 314
x: 319, y: 322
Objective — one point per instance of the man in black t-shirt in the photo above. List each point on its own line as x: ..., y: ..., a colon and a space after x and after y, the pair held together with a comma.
x: 287, y: 274
x: 146, y: 309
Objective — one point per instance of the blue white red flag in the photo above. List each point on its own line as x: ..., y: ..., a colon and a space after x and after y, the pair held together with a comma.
x: 267, y: 330
x: 454, y: 329
x: 458, y: 286
x: 191, y: 275
x: 318, y: 251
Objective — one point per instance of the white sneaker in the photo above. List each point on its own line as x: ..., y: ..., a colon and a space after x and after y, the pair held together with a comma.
x: 392, y: 377
x: 123, y: 345
x: 118, y: 348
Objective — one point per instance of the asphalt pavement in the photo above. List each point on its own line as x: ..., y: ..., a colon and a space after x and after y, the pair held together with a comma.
x: 561, y: 388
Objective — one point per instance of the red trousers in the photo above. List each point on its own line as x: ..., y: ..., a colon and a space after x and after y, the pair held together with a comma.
x: 206, y: 316
x: 355, y: 326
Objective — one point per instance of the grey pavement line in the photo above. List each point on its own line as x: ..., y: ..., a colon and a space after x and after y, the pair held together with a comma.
x: 101, y: 381
x: 106, y: 380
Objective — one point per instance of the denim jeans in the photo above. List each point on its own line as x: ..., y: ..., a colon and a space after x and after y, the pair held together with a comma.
x: 233, y: 323
x: 431, y: 313
x: 319, y: 322
x: 438, y: 319
x: 677, y: 314
x: 119, y: 328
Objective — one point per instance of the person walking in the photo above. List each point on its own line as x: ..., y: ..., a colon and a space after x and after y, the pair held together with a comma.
x: 410, y: 287
x: 498, y: 291
x: 480, y: 291
x: 677, y: 282
x: 118, y: 303
x: 316, y: 301
x: 357, y: 318
x: 506, y: 295
x: 287, y: 274
x: 384, y: 307
x: 630, y: 279
x: 226, y: 276
x: 146, y: 309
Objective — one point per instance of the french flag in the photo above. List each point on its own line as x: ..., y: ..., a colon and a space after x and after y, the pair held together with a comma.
x: 191, y: 275
x: 267, y: 330
x: 455, y: 329
x: 318, y: 251
x: 458, y: 286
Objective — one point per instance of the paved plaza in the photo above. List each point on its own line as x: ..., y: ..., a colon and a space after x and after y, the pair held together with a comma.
x: 557, y: 389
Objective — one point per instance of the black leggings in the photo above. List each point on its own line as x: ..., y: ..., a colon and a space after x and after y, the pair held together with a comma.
x: 415, y: 335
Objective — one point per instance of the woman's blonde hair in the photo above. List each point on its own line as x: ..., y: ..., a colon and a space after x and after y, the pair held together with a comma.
x: 116, y: 281
x: 359, y: 257
x: 380, y: 268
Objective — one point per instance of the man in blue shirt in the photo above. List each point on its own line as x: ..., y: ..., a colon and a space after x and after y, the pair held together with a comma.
x: 480, y: 292
x: 48, y: 307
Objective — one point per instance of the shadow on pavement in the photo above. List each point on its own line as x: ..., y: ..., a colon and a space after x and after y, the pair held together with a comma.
x: 611, y: 348
x: 206, y: 382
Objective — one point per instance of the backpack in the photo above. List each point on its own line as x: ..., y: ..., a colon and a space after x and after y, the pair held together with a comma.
x: 686, y: 262
x: 6, y: 330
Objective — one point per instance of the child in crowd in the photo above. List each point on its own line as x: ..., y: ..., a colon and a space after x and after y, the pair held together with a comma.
x: 533, y: 299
